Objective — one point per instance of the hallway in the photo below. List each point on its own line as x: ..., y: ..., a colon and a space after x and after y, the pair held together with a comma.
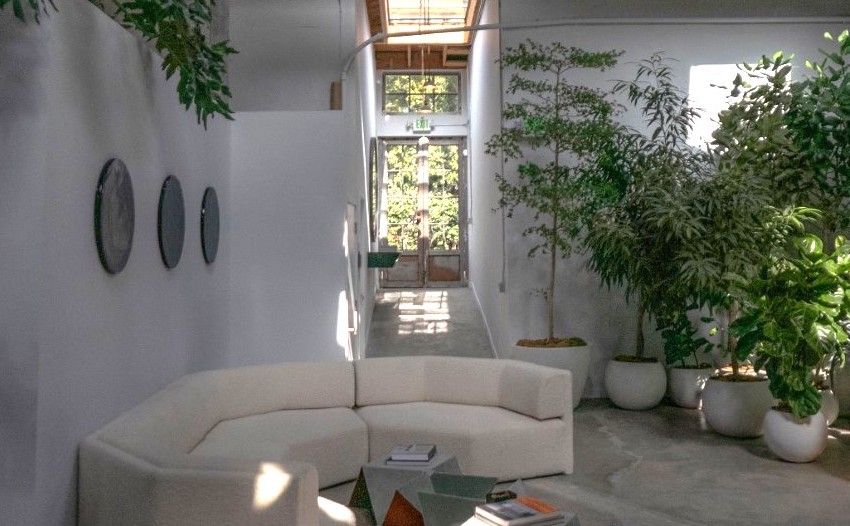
x: 415, y: 322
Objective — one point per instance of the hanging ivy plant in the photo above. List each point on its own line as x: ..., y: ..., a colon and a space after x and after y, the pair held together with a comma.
x: 177, y: 30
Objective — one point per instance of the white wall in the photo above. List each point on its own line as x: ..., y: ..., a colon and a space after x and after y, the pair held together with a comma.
x: 290, y: 52
x: 583, y: 308
x: 81, y: 345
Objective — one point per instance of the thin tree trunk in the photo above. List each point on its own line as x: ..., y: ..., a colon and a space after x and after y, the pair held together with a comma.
x: 550, y: 295
x: 732, y: 342
x: 639, y: 340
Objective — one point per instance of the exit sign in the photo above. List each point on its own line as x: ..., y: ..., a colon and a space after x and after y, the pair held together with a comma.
x: 422, y: 125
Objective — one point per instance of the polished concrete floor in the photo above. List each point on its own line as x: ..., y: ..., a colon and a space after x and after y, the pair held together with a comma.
x: 415, y: 322
x: 665, y: 468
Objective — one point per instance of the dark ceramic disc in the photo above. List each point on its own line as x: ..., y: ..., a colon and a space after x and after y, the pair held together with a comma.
x: 114, y: 216
x: 172, y: 222
x: 209, y: 224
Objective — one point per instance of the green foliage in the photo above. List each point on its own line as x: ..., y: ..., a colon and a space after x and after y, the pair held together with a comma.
x: 403, y: 230
x: 819, y: 121
x: 176, y: 27
x: 432, y: 93
x: 795, y: 317
x: 568, y: 126
x: 37, y: 8
x: 681, y: 342
x: 635, y: 239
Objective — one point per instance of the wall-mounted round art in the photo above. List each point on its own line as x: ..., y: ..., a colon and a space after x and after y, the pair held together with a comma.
x: 114, y: 216
x: 172, y: 222
x: 209, y: 224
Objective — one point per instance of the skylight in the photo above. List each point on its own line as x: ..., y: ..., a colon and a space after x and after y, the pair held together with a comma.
x: 414, y: 15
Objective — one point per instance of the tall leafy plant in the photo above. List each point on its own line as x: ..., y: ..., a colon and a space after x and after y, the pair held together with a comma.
x: 177, y: 28
x: 818, y: 120
x: 633, y: 241
x: 795, y: 315
x: 556, y: 128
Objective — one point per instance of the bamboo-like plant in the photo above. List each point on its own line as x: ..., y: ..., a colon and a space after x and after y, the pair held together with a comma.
x: 177, y: 29
x: 795, y: 315
x: 565, y: 123
x: 634, y: 240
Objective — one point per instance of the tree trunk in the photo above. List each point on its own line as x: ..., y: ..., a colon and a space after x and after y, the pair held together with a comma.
x: 550, y: 294
x: 731, y: 341
x: 639, y: 340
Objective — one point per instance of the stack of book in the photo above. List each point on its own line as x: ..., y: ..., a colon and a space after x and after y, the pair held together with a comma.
x: 412, y: 454
x: 521, y: 511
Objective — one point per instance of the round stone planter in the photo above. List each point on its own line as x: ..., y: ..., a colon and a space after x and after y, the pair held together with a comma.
x: 829, y: 405
x: 736, y: 409
x: 635, y: 385
x: 795, y: 439
x: 575, y: 359
x: 686, y: 385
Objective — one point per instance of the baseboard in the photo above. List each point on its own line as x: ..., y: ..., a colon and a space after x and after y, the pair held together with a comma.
x: 493, y: 346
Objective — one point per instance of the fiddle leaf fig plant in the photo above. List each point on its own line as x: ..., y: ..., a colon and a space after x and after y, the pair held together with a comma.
x: 178, y: 29
x: 555, y: 128
x: 794, y: 317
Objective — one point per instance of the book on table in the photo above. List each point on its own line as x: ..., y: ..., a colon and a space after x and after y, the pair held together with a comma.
x: 413, y: 453
x: 521, y: 511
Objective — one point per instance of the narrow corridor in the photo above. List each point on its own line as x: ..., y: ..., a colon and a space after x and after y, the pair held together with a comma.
x: 415, y: 322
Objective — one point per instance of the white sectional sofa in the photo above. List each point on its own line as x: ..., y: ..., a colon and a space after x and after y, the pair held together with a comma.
x: 253, y: 445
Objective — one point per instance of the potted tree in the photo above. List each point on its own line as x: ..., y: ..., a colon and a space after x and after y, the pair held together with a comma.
x: 795, y: 315
x: 747, y: 214
x: 630, y: 241
x: 553, y: 130
x: 683, y: 348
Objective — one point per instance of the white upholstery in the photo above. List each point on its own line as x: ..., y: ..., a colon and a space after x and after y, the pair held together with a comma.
x: 485, y: 440
x: 251, y: 446
x: 303, y: 435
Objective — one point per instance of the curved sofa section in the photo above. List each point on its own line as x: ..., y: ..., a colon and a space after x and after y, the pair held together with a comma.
x: 253, y: 445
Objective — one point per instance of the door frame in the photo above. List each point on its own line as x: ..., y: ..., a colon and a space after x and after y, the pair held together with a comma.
x: 463, y: 209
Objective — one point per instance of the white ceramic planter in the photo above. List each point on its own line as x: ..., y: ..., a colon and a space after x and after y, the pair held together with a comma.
x: 829, y: 406
x: 736, y: 409
x: 686, y: 385
x: 635, y: 385
x: 574, y: 359
x: 794, y: 439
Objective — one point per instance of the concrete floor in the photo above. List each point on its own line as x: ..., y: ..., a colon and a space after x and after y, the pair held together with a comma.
x: 665, y: 468
x: 415, y: 322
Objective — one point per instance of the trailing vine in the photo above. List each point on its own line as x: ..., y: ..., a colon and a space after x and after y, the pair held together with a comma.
x: 177, y: 30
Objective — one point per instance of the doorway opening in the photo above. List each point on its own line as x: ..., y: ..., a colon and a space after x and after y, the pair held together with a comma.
x: 423, y: 212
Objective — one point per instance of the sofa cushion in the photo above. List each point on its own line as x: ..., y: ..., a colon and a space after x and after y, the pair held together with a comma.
x: 488, y: 441
x: 334, y: 440
x: 527, y: 388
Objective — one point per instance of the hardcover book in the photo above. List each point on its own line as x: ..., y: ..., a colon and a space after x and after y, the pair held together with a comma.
x: 522, y: 511
x: 413, y: 453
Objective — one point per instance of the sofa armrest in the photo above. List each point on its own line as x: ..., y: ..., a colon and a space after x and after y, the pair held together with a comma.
x: 119, y: 488
x: 535, y: 390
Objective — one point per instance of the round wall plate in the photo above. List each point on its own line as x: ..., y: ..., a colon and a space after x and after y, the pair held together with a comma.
x: 114, y: 216
x: 209, y: 224
x: 171, y: 224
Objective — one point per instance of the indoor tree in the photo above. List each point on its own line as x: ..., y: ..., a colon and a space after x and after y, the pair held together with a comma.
x: 554, y: 128
x: 178, y: 30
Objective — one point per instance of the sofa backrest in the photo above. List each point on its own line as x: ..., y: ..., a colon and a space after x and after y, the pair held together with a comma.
x: 541, y: 392
x: 177, y: 418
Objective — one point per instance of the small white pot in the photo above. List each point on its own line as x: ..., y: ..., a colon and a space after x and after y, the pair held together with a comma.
x: 736, y: 409
x: 829, y: 405
x: 635, y: 385
x: 795, y: 439
x: 686, y: 385
x: 575, y: 359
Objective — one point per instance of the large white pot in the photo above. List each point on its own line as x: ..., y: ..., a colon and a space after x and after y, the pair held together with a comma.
x: 795, y: 439
x: 736, y: 409
x: 575, y: 359
x: 686, y: 385
x: 635, y: 385
x: 829, y: 405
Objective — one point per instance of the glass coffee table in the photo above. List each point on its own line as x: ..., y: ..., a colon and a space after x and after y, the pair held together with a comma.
x: 432, y: 494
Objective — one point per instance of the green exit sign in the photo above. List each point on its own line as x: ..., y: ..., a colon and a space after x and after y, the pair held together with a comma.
x: 422, y: 125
